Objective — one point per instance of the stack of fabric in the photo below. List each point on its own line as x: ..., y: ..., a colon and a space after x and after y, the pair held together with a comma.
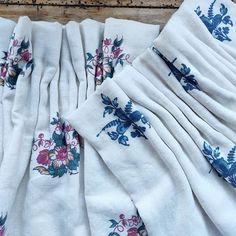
x: 108, y: 129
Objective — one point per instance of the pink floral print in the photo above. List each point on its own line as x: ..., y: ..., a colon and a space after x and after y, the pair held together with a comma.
x: 59, y: 154
x: 102, y: 64
x: 3, y: 69
x: 17, y: 60
x: 132, y: 226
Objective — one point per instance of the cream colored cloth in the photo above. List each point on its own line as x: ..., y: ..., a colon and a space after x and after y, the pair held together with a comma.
x: 169, y: 134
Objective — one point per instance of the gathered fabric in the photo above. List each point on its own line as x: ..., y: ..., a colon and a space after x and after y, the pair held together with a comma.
x: 47, y: 171
x: 168, y: 134
x: 118, y: 49
x: 112, y: 129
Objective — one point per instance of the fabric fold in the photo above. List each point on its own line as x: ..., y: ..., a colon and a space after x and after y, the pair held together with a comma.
x: 115, y: 51
x: 19, y: 65
x: 122, y: 128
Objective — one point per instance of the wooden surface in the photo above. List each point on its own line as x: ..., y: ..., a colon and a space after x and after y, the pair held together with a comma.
x: 149, y: 11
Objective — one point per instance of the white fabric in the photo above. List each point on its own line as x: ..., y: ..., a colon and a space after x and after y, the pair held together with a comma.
x: 145, y: 168
x: 115, y: 51
x: 16, y: 111
x: 119, y: 46
x: 158, y: 154
x: 44, y: 194
x: 92, y: 33
x: 7, y: 27
x: 78, y: 61
x: 185, y: 85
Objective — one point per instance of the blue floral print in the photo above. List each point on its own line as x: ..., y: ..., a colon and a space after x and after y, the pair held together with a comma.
x: 218, y: 25
x: 225, y: 168
x: 184, y: 76
x: 125, y: 119
x: 3, y: 219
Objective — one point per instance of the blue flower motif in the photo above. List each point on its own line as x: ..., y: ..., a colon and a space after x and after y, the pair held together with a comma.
x: 216, y: 24
x: 3, y: 220
x: 225, y: 168
x: 183, y: 75
x: 125, y: 119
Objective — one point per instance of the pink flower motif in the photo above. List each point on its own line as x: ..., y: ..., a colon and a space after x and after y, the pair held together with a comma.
x: 132, y: 232
x: 41, y: 135
x: 15, y: 43
x: 2, y: 231
x: 99, y: 71
x: 43, y: 157
x: 25, y: 55
x: 107, y: 41
x: 127, y: 57
x: 4, y: 71
x: 116, y: 52
x: 59, y: 127
x: 61, y: 153
x: 68, y: 128
x: 136, y: 220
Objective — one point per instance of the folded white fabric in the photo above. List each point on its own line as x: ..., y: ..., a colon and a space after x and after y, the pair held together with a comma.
x: 219, y: 19
x: 106, y: 217
x: 74, y: 37
x: 92, y: 35
x: 185, y: 85
x: 78, y: 61
x: 142, y: 162
x: 16, y: 108
x: 15, y: 62
x: 119, y: 47
x: 160, y: 137
x: 212, y: 19
x: 53, y: 182
x: 46, y: 195
x: 7, y: 27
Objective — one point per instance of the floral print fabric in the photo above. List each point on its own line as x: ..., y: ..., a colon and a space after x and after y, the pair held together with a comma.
x: 3, y: 219
x: 132, y: 226
x: 104, y: 61
x: 126, y: 118
x: 218, y: 24
x: 58, y: 154
x: 15, y: 61
x: 225, y: 167
x: 56, y: 144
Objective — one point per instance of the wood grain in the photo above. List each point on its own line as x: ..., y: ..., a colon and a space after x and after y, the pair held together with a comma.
x: 148, y: 11
x: 64, y: 14
x: 100, y: 3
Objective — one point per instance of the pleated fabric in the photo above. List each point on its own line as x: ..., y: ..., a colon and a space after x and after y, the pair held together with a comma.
x: 47, y: 171
x: 7, y: 26
x: 111, y: 129
x: 117, y: 214
x: 16, y: 127
x: 168, y: 134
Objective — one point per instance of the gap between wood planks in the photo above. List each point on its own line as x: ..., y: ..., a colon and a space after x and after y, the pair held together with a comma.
x: 99, y: 3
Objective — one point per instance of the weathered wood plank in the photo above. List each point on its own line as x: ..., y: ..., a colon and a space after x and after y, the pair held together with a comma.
x: 64, y: 14
x: 102, y: 3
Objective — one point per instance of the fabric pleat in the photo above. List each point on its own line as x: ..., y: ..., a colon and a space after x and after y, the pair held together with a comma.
x: 173, y: 123
x: 112, y: 129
